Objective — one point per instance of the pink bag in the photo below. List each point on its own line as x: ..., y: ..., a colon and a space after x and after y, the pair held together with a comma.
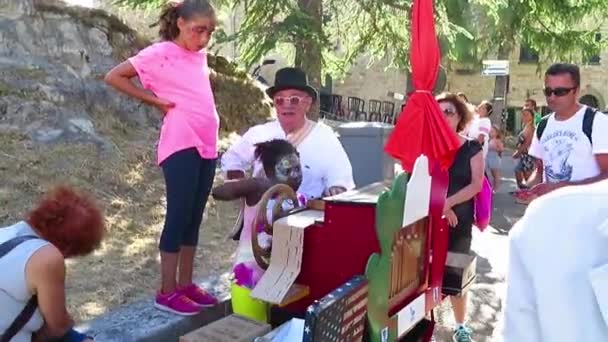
x: 483, y: 205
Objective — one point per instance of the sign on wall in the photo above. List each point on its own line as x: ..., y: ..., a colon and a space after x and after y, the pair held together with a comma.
x: 495, y: 68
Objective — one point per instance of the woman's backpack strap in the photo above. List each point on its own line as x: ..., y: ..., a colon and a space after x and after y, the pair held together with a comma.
x: 28, y: 311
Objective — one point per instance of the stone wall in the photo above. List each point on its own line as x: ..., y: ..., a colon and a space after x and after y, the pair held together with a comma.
x: 52, y: 62
x: 527, y: 81
x: 372, y: 83
x: 53, y: 58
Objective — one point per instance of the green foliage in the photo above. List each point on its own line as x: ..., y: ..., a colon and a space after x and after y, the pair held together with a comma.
x: 269, y: 23
x: 558, y: 29
x: 469, y: 30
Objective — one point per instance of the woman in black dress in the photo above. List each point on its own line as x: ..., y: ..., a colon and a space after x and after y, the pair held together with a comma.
x: 466, y: 179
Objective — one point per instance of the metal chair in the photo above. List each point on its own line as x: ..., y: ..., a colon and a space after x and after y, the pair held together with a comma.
x: 356, y: 108
x: 374, y: 110
x: 388, y: 112
x: 337, y: 111
x: 324, y: 105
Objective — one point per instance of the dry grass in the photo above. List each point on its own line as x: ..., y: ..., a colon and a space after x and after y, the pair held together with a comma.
x: 129, y: 185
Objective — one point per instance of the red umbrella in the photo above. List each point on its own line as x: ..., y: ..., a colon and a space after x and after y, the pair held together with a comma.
x: 421, y: 128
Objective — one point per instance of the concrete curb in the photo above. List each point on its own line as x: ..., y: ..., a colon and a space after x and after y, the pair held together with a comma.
x: 141, y: 322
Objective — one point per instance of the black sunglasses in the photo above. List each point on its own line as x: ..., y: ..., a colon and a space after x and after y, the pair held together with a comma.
x: 559, y: 91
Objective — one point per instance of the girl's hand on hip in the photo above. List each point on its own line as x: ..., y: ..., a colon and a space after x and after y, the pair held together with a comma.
x: 163, y: 105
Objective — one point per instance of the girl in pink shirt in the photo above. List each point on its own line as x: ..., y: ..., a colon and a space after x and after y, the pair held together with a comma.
x: 176, y: 74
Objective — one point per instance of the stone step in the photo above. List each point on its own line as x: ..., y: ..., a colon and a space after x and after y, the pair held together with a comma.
x: 141, y: 322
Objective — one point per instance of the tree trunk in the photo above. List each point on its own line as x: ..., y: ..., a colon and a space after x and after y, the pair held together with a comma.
x: 501, y: 85
x: 309, y: 53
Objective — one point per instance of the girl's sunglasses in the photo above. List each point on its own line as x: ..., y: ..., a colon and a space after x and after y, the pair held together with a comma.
x: 292, y: 100
x: 559, y: 91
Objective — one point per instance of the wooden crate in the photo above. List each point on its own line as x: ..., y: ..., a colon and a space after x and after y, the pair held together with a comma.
x: 233, y: 328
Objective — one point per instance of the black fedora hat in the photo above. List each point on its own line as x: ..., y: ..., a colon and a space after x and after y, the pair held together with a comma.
x: 291, y: 78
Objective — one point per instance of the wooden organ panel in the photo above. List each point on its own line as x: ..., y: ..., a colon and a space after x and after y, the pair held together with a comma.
x: 408, y: 268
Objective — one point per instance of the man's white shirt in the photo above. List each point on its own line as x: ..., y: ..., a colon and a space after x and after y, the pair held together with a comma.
x: 324, y: 161
x: 566, y: 151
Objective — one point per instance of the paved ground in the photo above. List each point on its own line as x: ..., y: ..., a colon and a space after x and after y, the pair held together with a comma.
x: 491, y: 246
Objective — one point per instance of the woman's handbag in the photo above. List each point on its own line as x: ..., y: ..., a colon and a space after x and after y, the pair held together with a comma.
x: 483, y: 205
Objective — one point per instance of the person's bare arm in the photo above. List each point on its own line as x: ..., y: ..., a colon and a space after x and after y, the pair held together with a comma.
x: 45, y: 273
x: 120, y: 78
x: 469, y: 191
x: 250, y: 188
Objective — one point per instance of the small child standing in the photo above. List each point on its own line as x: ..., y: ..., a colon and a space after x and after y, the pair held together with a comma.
x: 281, y: 164
x: 175, y: 71
x: 494, y: 158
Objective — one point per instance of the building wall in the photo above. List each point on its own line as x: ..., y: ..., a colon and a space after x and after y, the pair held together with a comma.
x: 526, y: 80
x: 366, y: 82
x: 375, y: 82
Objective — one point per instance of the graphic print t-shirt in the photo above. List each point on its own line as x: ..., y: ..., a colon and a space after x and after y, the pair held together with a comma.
x: 566, y: 152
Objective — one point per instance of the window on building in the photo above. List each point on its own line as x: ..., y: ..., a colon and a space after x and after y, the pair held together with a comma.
x: 527, y: 54
x: 595, y: 59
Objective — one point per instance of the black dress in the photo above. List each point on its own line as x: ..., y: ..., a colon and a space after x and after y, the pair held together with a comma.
x: 460, y: 177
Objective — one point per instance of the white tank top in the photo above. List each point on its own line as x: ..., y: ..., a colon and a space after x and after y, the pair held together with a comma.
x: 14, y: 293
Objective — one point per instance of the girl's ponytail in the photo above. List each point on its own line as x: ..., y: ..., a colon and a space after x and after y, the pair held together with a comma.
x: 167, y: 22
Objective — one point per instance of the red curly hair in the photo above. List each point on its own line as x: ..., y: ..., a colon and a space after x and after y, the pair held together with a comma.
x: 71, y: 221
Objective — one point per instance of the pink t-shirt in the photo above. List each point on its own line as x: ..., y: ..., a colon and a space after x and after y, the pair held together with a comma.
x: 175, y: 74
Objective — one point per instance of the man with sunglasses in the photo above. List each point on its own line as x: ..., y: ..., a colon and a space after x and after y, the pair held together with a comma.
x: 326, y: 167
x: 570, y: 144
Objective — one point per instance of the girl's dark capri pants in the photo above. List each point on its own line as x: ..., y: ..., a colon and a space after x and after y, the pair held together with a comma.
x: 188, y: 179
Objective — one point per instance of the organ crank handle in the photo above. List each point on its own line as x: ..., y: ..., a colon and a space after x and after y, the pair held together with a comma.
x: 280, y: 193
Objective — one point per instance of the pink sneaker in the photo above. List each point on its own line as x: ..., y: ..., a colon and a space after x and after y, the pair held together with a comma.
x: 198, y: 295
x: 177, y: 303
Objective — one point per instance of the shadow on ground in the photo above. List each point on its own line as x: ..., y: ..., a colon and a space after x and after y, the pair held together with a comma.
x: 484, y: 309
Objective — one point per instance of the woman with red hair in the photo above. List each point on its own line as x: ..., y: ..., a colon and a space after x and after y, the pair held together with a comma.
x: 63, y: 225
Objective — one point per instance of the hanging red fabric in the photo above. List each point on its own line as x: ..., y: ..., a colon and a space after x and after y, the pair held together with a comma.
x: 421, y: 127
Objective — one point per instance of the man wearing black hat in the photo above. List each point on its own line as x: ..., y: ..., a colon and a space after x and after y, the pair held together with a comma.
x: 326, y: 167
